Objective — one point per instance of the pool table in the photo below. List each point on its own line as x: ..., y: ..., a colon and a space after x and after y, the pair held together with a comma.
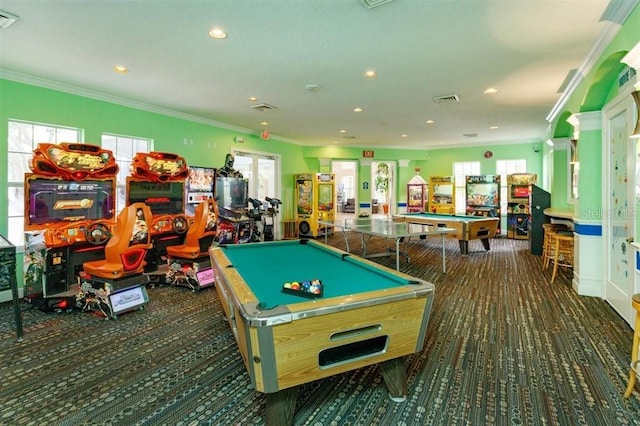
x: 467, y: 227
x: 367, y: 314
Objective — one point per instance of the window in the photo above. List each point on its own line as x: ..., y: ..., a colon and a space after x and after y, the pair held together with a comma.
x: 124, y: 148
x: 23, y: 138
x: 262, y: 171
x: 460, y: 171
x: 504, y: 168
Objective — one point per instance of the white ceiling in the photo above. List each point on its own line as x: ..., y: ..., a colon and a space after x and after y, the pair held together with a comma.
x: 420, y: 49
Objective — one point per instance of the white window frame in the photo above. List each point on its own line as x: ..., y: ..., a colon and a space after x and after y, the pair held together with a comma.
x: 254, y: 185
x: 462, y: 169
x: 505, y: 168
x: 19, y: 160
x: 124, y: 148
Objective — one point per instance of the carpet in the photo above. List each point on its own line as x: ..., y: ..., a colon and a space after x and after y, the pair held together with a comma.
x: 503, y: 347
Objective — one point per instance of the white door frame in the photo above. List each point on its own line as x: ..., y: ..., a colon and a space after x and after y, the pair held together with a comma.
x: 619, y: 297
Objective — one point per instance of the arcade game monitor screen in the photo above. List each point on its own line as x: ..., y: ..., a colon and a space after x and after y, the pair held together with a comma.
x: 232, y: 193
x: 54, y: 200
x: 161, y: 197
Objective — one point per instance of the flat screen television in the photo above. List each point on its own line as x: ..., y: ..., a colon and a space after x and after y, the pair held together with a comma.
x: 232, y: 193
x: 161, y: 197
x: 53, y: 200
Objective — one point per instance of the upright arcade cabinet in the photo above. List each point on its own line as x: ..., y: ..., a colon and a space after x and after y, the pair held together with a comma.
x: 232, y: 197
x: 442, y: 195
x: 158, y: 180
x: 314, y: 195
x: 199, y: 187
x: 69, y: 216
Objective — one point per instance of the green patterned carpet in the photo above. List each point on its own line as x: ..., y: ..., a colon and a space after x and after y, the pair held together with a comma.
x: 503, y: 347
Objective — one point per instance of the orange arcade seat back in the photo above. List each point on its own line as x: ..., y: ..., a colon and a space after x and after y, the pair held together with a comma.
x: 200, y: 235
x: 126, y: 249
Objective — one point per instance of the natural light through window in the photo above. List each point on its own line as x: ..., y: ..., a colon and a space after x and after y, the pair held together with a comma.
x: 504, y: 168
x: 460, y: 171
x: 124, y: 148
x: 23, y: 138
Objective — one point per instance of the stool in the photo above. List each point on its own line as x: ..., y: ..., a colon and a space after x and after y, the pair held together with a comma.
x: 635, y: 362
x: 547, y: 249
x: 561, y: 250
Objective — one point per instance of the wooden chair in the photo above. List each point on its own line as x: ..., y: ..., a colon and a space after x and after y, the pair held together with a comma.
x: 547, y: 249
x: 635, y: 355
x: 562, y: 250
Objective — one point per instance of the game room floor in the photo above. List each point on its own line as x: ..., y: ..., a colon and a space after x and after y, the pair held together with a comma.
x: 503, y: 346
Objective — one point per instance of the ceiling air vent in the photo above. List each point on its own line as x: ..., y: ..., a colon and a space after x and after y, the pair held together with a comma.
x: 264, y: 107
x: 370, y: 4
x: 6, y: 19
x: 446, y: 99
x: 470, y: 135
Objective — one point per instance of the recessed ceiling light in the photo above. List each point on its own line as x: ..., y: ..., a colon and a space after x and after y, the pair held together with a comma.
x: 370, y: 74
x: 120, y: 69
x: 264, y: 123
x: 405, y: 136
x: 343, y: 131
x: 217, y: 33
x: 493, y: 127
x: 357, y: 109
x: 253, y: 99
x: 490, y: 90
x: 429, y: 122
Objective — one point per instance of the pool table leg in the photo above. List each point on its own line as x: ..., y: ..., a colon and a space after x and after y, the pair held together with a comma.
x: 395, y: 377
x: 485, y: 243
x: 464, y: 247
x: 280, y: 407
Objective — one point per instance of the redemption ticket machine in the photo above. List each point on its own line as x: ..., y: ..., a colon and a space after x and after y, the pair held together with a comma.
x: 69, y: 217
x: 314, y: 193
x: 158, y: 180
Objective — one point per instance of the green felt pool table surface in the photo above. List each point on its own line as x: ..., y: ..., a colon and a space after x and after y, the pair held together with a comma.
x: 266, y: 267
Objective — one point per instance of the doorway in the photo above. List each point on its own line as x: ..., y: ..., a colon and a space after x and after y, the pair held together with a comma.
x: 346, y: 177
x: 263, y: 172
x: 619, y: 222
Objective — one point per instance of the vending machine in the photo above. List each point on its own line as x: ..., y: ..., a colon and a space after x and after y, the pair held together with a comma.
x: 518, y: 207
x: 314, y: 196
x: 483, y: 196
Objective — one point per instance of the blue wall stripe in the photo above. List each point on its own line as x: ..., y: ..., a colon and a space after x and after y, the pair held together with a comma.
x: 588, y: 229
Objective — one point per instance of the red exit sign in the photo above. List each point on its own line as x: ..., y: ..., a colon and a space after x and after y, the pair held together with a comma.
x: 367, y: 153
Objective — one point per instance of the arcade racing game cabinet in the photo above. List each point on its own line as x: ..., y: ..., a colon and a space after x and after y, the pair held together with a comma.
x: 69, y: 217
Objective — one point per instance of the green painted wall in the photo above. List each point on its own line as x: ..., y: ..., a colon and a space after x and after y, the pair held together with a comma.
x: 559, y: 194
x: 589, y: 206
